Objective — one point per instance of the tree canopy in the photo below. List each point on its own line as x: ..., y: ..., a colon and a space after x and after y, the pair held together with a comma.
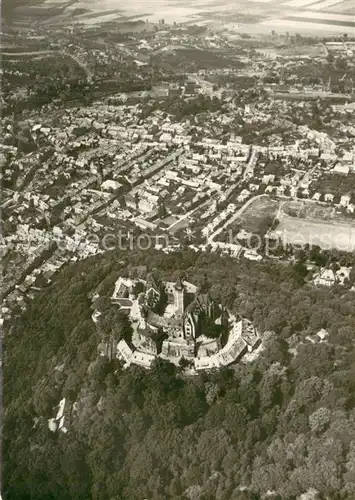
x: 284, y: 423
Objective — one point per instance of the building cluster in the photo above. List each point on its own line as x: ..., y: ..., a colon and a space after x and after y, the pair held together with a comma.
x: 155, y: 174
x: 175, y: 320
x: 329, y: 276
x: 129, y: 161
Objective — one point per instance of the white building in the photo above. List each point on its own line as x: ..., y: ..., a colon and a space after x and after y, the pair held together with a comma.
x: 345, y: 200
x: 326, y: 277
x: 341, y: 169
x: 124, y: 353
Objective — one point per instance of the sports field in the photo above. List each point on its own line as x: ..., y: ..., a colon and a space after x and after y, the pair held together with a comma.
x: 299, y: 222
x: 327, y: 235
x: 302, y: 222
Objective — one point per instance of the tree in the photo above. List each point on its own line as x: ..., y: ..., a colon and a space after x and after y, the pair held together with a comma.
x: 284, y: 421
x: 301, y: 271
x: 341, y: 63
x: 319, y: 420
x: 162, y: 212
x: 72, y: 386
x: 102, y: 304
x: 352, y: 275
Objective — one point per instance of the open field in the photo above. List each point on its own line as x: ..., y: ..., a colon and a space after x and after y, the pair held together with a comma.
x: 327, y: 235
x: 299, y: 3
x: 316, y: 50
x: 256, y: 215
x: 326, y: 4
x: 303, y: 222
x: 300, y: 222
x: 347, y: 7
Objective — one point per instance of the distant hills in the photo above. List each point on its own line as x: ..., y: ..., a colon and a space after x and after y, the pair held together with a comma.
x: 8, y: 7
x: 16, y: 9
x: 57, y: 11
x: 311, y: 16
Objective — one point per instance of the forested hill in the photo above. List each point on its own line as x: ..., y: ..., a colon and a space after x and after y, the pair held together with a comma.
x: 284, y: 423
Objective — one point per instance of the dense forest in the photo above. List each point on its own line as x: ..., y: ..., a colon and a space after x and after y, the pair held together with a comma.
x: 279, y: 426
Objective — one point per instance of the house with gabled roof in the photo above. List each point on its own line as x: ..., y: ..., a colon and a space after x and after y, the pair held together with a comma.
x: 325, y: 277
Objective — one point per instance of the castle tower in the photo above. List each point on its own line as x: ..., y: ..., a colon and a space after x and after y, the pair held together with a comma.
x: 179, y: 296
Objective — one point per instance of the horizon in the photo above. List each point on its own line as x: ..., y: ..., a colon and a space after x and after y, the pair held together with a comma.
x: 319, y: 17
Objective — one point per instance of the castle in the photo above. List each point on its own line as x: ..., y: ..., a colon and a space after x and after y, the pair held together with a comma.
x: 175, y: 320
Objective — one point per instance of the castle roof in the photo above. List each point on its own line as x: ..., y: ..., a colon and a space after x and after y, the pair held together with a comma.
x: 123, y: 302
x: 179, y: 284
x: 200, y: 304
x: 152, y: 282
x: 162, y: 322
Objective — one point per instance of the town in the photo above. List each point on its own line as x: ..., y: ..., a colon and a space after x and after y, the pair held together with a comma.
x: 189, y: 136
x: 178, y: 247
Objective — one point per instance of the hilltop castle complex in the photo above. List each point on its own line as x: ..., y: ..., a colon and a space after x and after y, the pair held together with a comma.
x: 175, y: 320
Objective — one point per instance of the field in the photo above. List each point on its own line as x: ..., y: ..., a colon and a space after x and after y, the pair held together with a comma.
x: 306, y: 222
x: 327, y: 235
x: 307, y: 50
x: 257, y: 215
x: 299, y: 222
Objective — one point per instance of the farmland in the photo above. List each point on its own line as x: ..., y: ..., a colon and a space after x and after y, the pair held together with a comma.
x: 327, y: 16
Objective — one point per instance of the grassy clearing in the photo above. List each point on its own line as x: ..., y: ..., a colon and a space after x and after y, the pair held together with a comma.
x: 256, y: 215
